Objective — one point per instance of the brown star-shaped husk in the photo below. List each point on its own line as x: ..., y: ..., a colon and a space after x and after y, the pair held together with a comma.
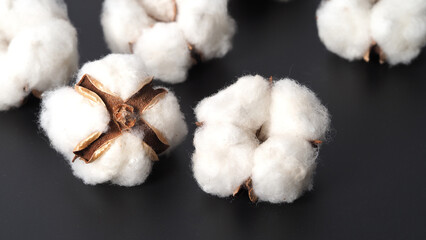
x: 125, y: 116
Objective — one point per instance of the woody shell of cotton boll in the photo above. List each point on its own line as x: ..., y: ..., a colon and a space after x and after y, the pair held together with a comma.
x: 38, y: 48
x: 168, y: 35
x: 68, y: 118
x: 260, y: 135
x: 399, y: 28
x: 396, y: 30
x: 344, y: 27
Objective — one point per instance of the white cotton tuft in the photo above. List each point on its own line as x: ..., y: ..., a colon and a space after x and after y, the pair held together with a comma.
x: 38, y: 48
x: 349, y: 28
x: 68, y: 118
x: 222, y: 160
x: 165, y: 59
x: 207, y: 25
x: 283, y: 169
x: 164, y: 32
x: 343, y: 27
x: 234, y: 105
x: 259, y: 130
x: 399, y: 28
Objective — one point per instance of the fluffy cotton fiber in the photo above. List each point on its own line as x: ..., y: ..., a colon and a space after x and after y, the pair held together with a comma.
x: 67, y: 118
x: 265, y: 136
x: 38, y: 48
x: 349, y: 28
x: 162, y: 32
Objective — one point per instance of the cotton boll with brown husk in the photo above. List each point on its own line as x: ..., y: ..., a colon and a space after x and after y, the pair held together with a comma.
x: 113, y: 124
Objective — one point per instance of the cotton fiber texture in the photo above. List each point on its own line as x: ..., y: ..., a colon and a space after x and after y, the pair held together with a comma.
x: 260, y: 135
x: 394, y: 29
x: 168, y: 35
x: 73, y: 118
x: 38, y: 49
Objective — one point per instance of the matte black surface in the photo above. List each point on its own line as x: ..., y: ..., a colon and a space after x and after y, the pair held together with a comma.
x: 370, y: 182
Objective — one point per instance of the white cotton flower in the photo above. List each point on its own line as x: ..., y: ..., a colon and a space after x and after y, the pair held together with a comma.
x: 262, y: 131
x: 167, y: 33
x: 38, y: 48
x: 395, y: 29
x: 69, y: 117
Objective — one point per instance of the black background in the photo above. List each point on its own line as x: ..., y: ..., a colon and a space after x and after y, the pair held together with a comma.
x: 370, y: 182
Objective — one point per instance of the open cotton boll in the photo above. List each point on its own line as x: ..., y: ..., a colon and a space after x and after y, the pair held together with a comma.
x: 67, y: 118
x: 122, y: 74
x: 283, y: 169
x: 259, y: 135
x: 38, y: 48
x: 168, y: 35
x: 165, y: 59
x: 295, y: 110
x: 344, y: 27
x: 244, y: 104
x: 399, y: 28
x: 207, y: 25
x: 123, y: 22
x: 222, y: 159
x: 111, y: 138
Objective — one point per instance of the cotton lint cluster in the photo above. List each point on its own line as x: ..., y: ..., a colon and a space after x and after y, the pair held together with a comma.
x: 394, y: 29
x: 38, y: 49
x: 168, y: 35
x: 260, y: 135
x: 113, y: 123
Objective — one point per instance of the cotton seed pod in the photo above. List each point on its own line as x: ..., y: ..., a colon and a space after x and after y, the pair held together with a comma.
x: 38, y: 49
x: 113, y: 123
x: 169, y: 35
x: 266, y: 141
x: 353, y: 29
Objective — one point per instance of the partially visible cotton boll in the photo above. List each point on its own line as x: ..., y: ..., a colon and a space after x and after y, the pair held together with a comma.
x: 296, y: 110
x: 259, y: 135
x: 222, y: 159
x: 207, y: 26
x: 165, y: 52
x: 344, y: 27
x: 283, y: 169
x: 168, y: 35
x: 71, y: 116
x: 38, y: 48
x: 123, y: 22
x: 399, y: 28
x: 244, y: 104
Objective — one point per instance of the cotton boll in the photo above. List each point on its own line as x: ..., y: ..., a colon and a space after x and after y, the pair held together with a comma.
x: 123, y: 22
x: 13, y: 90
x: 122, y: 74
x: 399, y: 28
x: 244, y: 104
x: 165, y: 52
x: 295, y: 110
x: 223, y: 157
x: 206, y: 25
x: 45, y: 56
x: 162, y: 10
x: 68, y: 118
x: 344, y: 27
x: 283, y: 169
x: 166, y: 117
